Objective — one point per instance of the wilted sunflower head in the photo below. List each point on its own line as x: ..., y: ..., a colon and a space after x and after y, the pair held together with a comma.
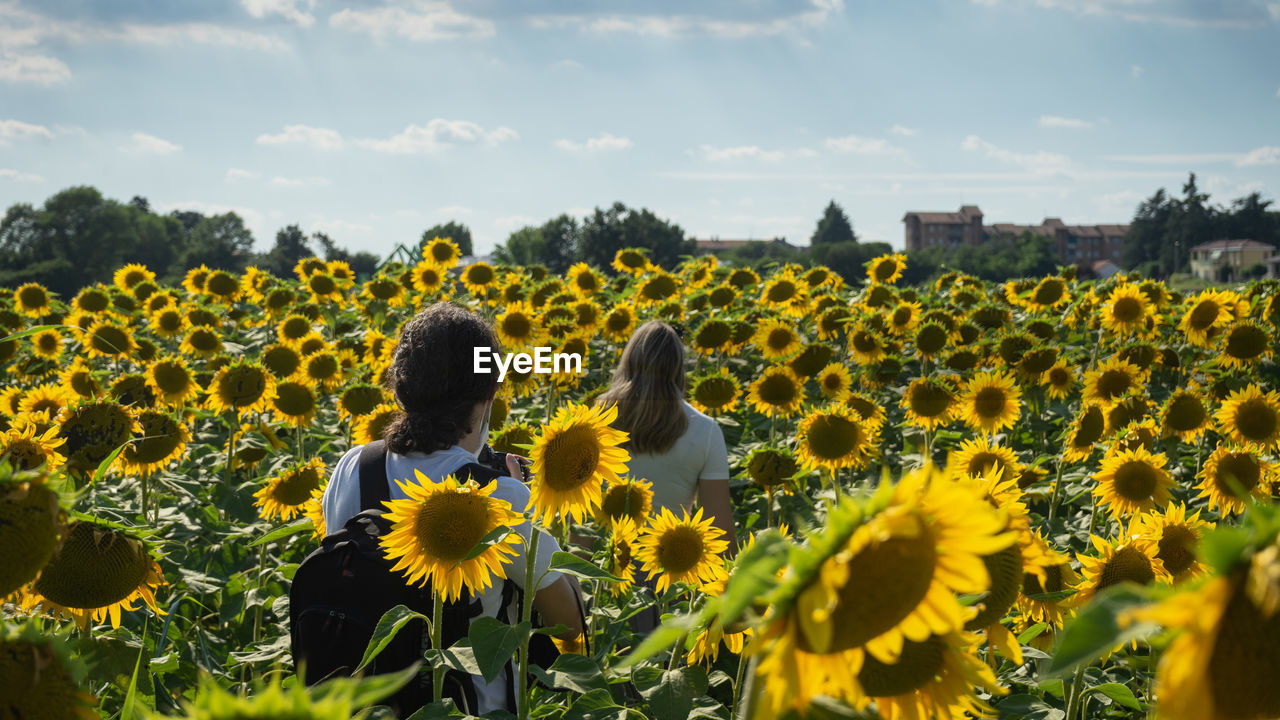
x: 97, y: 572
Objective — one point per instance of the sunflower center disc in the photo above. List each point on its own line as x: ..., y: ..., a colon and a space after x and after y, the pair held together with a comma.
x: 1127, y: 564
x: 1246, y: 342
x: 777, y: 390
x: 89, y: 573
x: 1245, y: 660
x: 1177, y: 549
x: 714, y: 392
x: 885, y: 270
x: 1005, y: 569
x: 1186, y: 413
x: 1049, y: 292
x: 28, y: 535
x: 831, y: 437
x: 295, y: 488
x: 919, y: 663
x: 1256, y: 420
x: 989, y: 402
x: 1090, y: 428
x: 887, y: 581
x: 1031, y: 584
x: 170, y: 377
x: 322, y: 367
x: 1237, y: 474
x: 1203, y: 315
x: 781, y: 291
x: 931, y: 339
x: 516, y: 325
x: 1127, y: 310
x: 450, y: 524
x: 1136, y: 480
x: 294, y: 399
x: 929, y: 400
x: 160, y: 438
x: 864, y: 342
x: 680, y: 549
x: 779, y: 339
x: 1113, y: 383
x: 624, y: 500
x: 571, y: 458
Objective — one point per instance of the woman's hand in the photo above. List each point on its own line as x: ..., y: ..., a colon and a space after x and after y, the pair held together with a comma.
x: 515, y: 468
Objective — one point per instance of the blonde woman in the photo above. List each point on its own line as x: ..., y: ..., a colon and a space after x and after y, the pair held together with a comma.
x: 672, y: 445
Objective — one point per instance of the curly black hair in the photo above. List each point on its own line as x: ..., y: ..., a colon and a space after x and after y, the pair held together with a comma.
x: 433, y: 378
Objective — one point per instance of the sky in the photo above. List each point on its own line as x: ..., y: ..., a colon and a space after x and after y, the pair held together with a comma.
x: 373, y: 120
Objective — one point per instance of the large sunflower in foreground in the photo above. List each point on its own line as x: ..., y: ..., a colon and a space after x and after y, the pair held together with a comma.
x: 439, y: 524
x: 285, y: 495
x: 884, y: 586
x: 990, y: 402
x: 684, y: 550
x: 1223, y: 664
x: 97, y: 573
x: 1230, y: 477
x: 572, y: 456
x: 39, y: 678
x: 1251, y: 418
x: 1132, y: 481
x: 835, y: 437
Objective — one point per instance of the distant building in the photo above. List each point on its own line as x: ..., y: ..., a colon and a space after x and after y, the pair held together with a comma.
x: 1227, y: 260
x: 1104, y: 269
x: 715, y: 246
x: 1081, y: 245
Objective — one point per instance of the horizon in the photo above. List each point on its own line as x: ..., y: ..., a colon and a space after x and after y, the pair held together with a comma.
x: 374, y: 121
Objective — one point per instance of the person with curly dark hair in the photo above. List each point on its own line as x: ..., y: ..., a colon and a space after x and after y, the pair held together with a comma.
x: 444, y: 426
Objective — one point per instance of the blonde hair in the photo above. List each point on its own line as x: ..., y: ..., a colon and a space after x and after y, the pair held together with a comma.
x: 648, y: 388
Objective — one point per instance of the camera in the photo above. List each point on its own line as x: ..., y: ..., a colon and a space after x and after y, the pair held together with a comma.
x: 498, y: 461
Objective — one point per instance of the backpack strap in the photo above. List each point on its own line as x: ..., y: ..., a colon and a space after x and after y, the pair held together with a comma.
x: 375, y: 488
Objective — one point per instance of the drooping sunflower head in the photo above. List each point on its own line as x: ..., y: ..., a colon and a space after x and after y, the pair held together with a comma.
x: 439, y: 524
x: 771, y: 467
x: 97, y: 573
x: 1251, y: 418
x: 31, y: 526
x: 572, y: 455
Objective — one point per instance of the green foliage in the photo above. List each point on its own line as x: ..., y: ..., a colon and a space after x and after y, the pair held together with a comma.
x: 1027, y: 255
x: 606, y: 232
x: 833, y: 228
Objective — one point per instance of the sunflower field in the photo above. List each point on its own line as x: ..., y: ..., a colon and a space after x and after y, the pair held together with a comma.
x: 1050, y: 499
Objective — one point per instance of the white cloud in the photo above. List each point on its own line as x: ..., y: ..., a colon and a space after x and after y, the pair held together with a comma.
x: 421, y: 21
x: 680, y: 25
x: 201, y: 34
x: 287, y: 182
x: 1217, y: 14
x: 150, y: 145
x: 1055, y: 121
x: 288, y: 9
x: 711, y: 153
x: 1137, y: 71
x: 514, y: 221
x: 316, y: 137
x: 438, y: 134
x: 854, y: 145
x: 1037, y: 162
x: 239, y: 174
x: 904, y: 130
x: 35, y: 69
x: 17, y: 176
x: 1267, y: 155
x: 601, y: 143
x: 18, y: 130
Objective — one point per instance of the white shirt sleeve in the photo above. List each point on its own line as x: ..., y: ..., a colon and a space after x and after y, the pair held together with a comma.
x: 341, y: 499
x: 716, y: 465
x: 516, y: 493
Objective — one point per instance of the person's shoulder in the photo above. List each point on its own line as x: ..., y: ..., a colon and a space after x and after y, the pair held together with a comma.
x: 699, y: 419
x: 349, y: 461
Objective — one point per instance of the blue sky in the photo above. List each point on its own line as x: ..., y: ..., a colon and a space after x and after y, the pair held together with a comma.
x: 372, y: 120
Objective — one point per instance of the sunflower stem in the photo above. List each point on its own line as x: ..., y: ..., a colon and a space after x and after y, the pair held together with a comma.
x: 1056, y: 494
x: 526, y: 615
x: 257, y: 612
x: 437, y: 631
x: 1073, y: 695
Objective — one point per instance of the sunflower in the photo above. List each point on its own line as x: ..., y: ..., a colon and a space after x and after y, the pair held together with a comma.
x: 91, y: 300
x: 517, y: 326
x: 77, y: 380
x: 631, y: 261
x: 771, y: 467
x: 619, y: 322
x: 1125, y: 311
x: 631, y: 498
x: 1229, y: 477
x: 32, y: 300
x: 50, y: 398
x: 713, y: 336
x: 444, y: 253
x: 715, y: 393
x: 1244, y: 344
x: 866, y: 345
x: 783, y: 292
x: 1051, y: 573
x: 1185, y: 414
x: 359, y: 400
x: 880, y: 588
x: 571, y: 456
x: 160, y: 440
x: 777, y: 392
x: 1222, y: 663
x: 835, y: 382
x: 1132, y: 481
x: 886, y: 269
x: 812, y: 359
x: 1177, y: 537
x: 929, y: 403
x: 1128, y: 558
x: 92, y: 432
x: 97, y: 573
x: 1049, y: 293
x: 201, y: 342
x: 27, y: 449
x: 1251, y: 418
x: 1209, y: 312
x: 776, y: 340
x: 193, y: 281
x: 47, y: 344
x: 108, y: 340
x: 834, y: 438
x: 657, y: 288
x: 171, y: 380
x: 583, y: 281
x: 428, y: 277
x: 285, y: 494
x: 831, y: 322
x: 706, y: 645
x: 681, y: 550
x: 39, y: 677
x: 932, y: 678
x: 132, y: 274
x: 1111, y: 381
x: 437, y: 527
x: 322, y: 368
x: 990, y: 401
x: 513, y: 438
x: 980, y: 457
x: 478, y: 277
x: 904, y: 317
x: 294, y: 403
x: 371, y: 427
x: 242, y: 387
x: 31, y: 526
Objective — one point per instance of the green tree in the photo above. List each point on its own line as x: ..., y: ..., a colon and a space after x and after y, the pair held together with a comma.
x: 291, y: 246
x: 605, y: 232
x: 453, y: 230
x: 849, y: 259
x: 523, y: 247
x: 362, y: 263
x: 219, y: 241
x: 833, y: 227
x: 560, y: 238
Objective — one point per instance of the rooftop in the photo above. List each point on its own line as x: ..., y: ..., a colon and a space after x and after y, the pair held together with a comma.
x: 1240, y: 244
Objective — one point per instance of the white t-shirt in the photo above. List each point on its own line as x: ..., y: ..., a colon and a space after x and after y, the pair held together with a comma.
x: 341, y: 502
x: 698, y: 454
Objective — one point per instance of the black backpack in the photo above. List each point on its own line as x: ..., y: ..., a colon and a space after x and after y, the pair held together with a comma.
x: 341, y: 591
